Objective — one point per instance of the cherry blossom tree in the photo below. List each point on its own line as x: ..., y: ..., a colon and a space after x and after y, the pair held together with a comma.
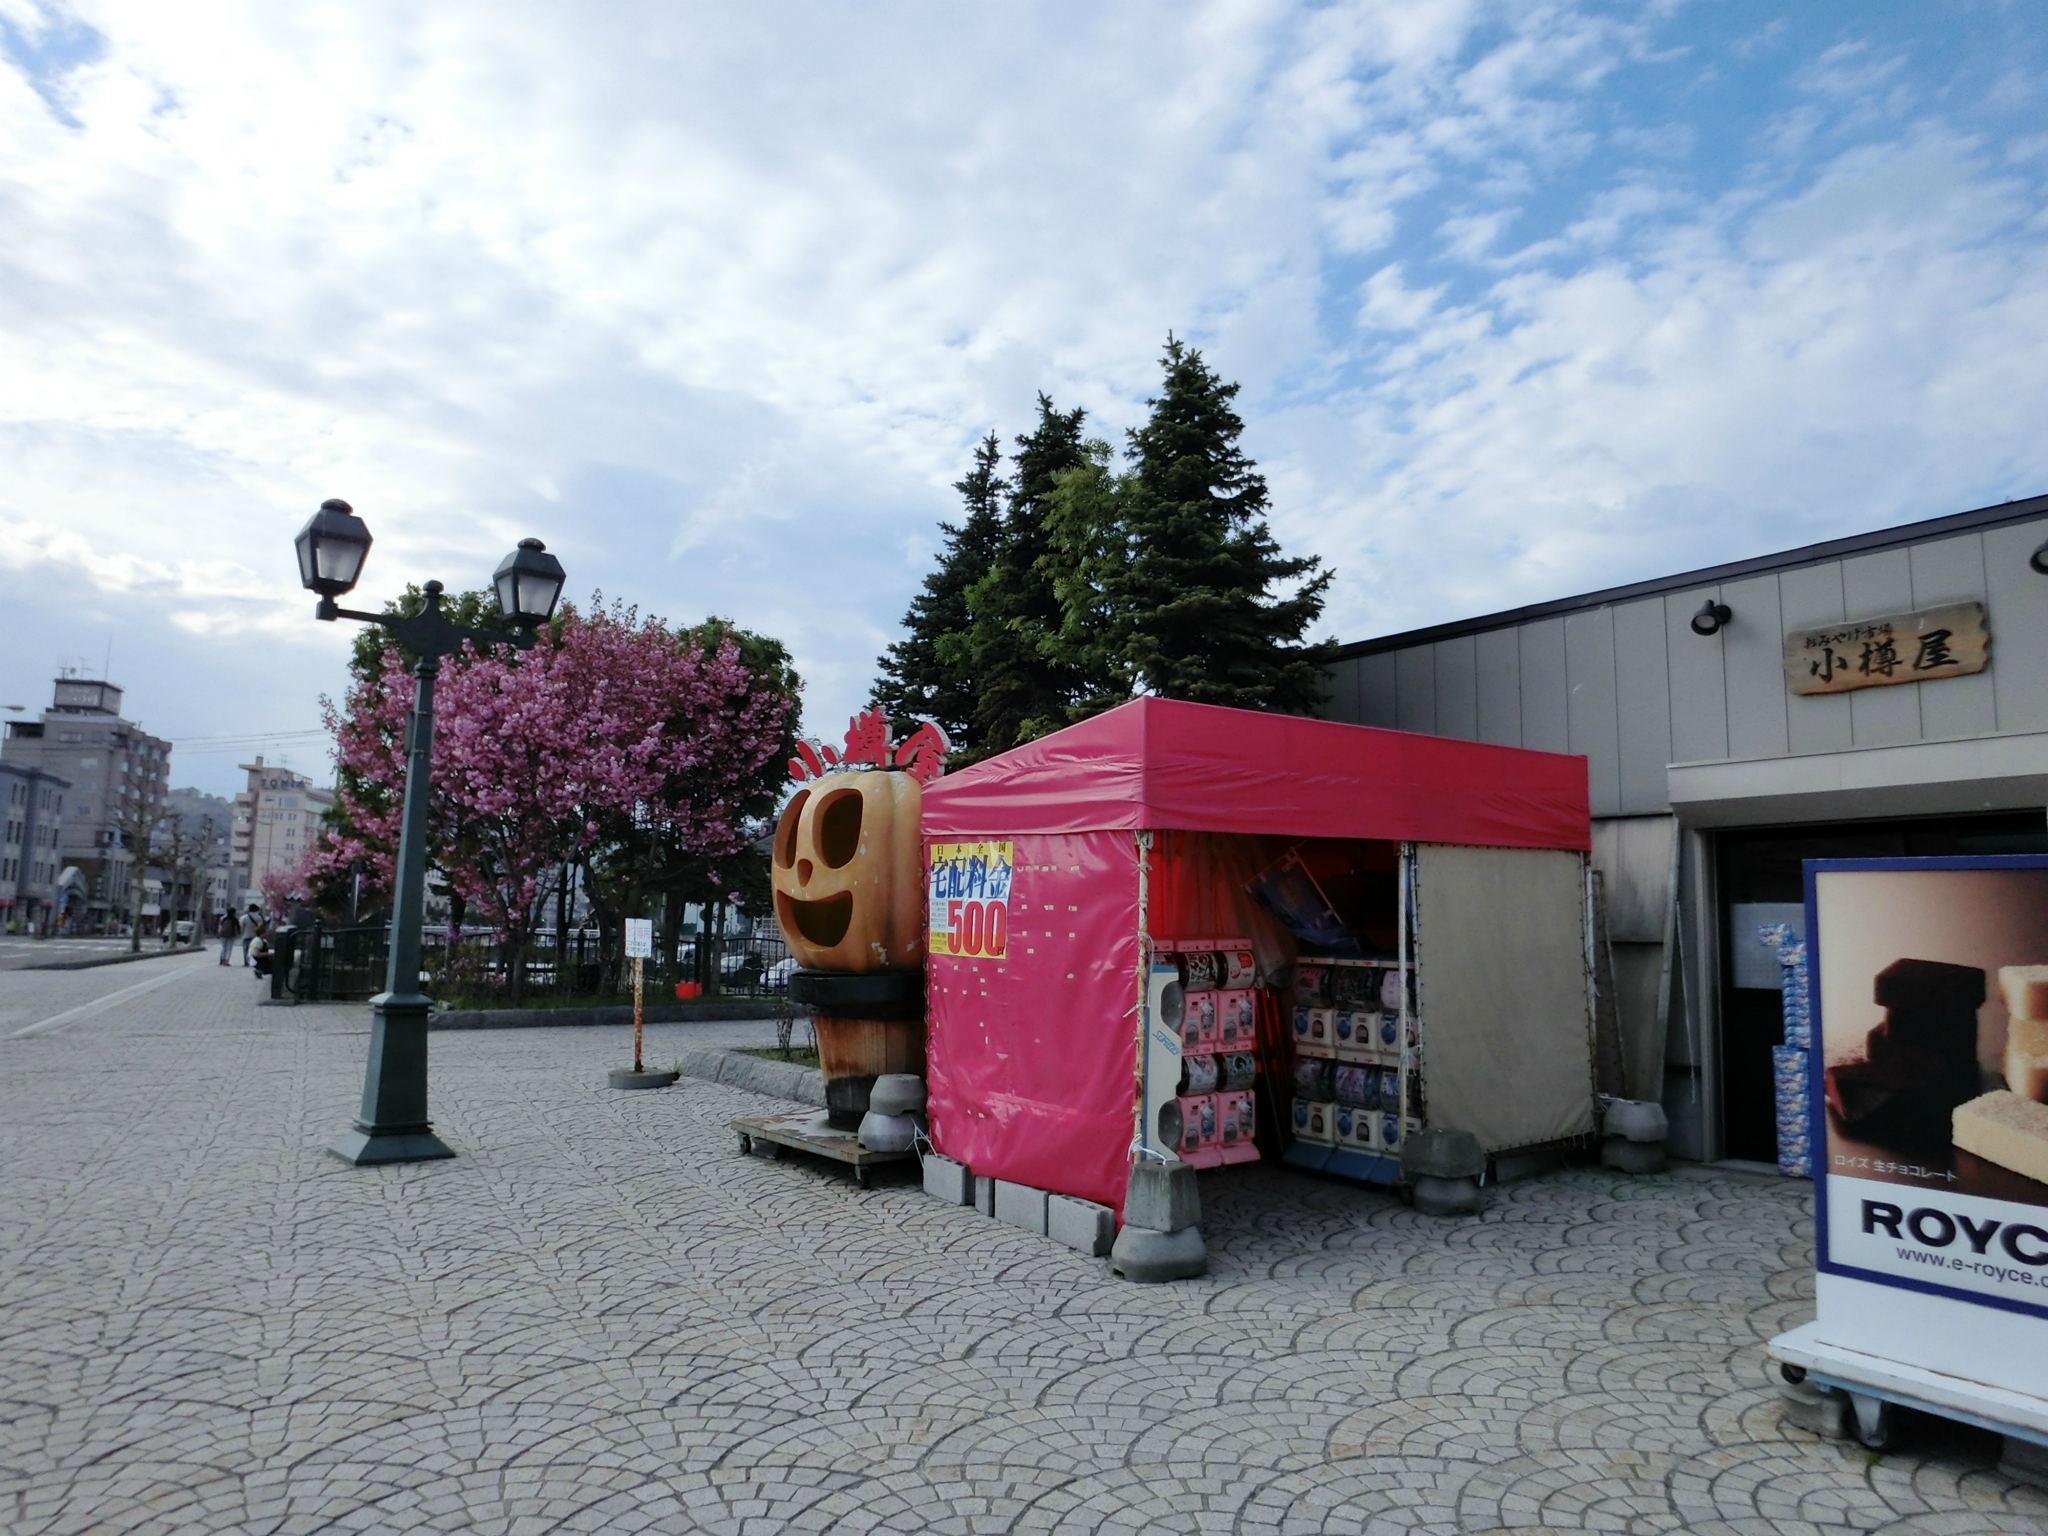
x: 539, y: 756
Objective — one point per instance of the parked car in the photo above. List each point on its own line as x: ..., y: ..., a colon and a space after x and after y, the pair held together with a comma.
x: 183, y: 929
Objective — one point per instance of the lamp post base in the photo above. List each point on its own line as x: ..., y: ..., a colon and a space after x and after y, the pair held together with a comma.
x: 363, y: 1148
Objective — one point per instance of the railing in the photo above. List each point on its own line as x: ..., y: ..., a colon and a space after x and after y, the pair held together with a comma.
x: 322, y: 964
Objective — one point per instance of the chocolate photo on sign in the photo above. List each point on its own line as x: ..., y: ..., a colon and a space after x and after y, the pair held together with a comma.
x: 1929, y: 1078
x: 1934, y: 1027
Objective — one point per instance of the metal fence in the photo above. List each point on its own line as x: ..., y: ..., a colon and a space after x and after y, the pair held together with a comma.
x: 322, y: 964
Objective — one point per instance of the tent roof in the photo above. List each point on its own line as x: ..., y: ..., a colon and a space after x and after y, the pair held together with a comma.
x: 1162, y: 764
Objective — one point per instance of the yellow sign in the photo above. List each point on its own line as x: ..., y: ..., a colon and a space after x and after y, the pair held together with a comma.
x: 1900, y: 648
x: 970, y: 899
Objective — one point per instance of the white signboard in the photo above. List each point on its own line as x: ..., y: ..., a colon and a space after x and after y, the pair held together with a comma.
x: 639, y: 938
x: 1927, y: 1079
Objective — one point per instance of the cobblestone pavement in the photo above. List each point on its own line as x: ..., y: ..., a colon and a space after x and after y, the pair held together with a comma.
x: 601, y: 1318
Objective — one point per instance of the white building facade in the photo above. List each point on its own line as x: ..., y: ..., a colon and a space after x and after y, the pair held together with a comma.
x: 277, y: 819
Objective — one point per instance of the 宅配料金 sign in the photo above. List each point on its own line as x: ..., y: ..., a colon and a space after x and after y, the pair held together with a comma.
x: 970, y: 899
x: 1900, y: 648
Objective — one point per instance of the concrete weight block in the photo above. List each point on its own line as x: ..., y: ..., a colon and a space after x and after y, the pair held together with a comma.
x: 1637, y: 1119
x: 1447, y: 1197
x: 1019, y: 1205
x: 887, y: 1133
x: 1807, y: 1407
x: 1162, y: 1197
x: 947, y: 1180
x: 1440, y: 1154
x: 1080, y: 1224
x: 1150, y: 1257
x: 897, y: 1093
x: 984, y: 1195
x: 1625, y: 1156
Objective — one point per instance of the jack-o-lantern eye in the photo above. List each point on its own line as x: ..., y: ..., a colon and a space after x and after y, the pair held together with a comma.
x: 785, y: 829
x: 838, y: 828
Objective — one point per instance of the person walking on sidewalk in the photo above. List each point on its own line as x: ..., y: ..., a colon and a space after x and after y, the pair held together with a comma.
x: 251, y: 923
x: 227, y: 928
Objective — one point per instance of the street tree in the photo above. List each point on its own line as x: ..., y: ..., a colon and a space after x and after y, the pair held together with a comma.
x: 929, y: 673
x: 1169, y: 579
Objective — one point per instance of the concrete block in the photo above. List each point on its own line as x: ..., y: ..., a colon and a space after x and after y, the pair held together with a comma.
x: 1162, y: 1197
x: 947, y: 1180
x: 1447, y: 1197
x: 1626, y: 1156
x: 984, y: 1195
x: 1807, y: 1407
x: 1080, y: 1224
x: 1440, y: 1154
x: 1019, y: 1205
x: 1150, y: 1257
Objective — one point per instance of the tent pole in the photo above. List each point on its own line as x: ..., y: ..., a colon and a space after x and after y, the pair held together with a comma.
x: 1144, y: 842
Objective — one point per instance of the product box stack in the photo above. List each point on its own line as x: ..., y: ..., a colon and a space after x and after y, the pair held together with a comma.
x: 1219, y: 1049
x: 1354, y: 1084
x: 1792, y: 1062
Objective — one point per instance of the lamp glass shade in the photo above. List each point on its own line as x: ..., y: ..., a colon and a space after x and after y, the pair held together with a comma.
x: 528, y: 583
x: 332, y: 547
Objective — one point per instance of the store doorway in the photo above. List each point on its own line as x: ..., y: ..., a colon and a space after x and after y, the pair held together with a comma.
x: 1760, y: 879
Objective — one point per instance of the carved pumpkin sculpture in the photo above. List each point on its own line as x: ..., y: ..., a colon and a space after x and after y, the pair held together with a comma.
x: 848, y: 873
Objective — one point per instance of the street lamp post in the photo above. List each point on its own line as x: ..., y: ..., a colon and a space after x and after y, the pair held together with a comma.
x: 393, y: 1125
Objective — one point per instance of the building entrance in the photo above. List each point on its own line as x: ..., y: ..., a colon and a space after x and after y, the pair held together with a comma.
x: 1760, y: 879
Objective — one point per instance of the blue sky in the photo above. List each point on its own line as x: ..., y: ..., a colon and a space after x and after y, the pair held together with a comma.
x: 1525, y: 299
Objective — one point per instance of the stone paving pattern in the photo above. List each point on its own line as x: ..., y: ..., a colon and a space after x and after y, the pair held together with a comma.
x: 601, y: 1318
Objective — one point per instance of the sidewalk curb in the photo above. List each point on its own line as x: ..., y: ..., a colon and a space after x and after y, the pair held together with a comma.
x: 755, y: 1074
x: 87, y: 965
x: 575, y: 1018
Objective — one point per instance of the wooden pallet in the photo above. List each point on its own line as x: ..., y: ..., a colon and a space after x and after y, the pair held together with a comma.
x: 810, y: 1131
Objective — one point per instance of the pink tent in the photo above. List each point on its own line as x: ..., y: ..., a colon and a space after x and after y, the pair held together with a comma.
x: 1039, y: 925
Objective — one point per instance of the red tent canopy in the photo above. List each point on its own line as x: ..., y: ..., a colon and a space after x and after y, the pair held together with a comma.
x: 1164, y: 765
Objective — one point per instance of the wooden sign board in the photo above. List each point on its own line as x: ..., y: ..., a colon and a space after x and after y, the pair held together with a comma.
x: 1900, y: 648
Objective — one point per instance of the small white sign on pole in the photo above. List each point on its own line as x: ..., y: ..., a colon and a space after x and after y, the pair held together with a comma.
x: 639, y: 938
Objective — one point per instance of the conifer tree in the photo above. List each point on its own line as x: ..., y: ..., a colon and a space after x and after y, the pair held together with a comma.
x: 1167, y: 573
x: 927, y: 672
x: 1025, y: 683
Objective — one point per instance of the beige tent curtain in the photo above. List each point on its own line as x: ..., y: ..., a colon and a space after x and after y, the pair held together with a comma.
x: 1500, y: 952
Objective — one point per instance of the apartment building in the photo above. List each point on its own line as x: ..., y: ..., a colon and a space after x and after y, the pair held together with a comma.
x: 114, y: 771
x: 276, y: 820
x: 31, y: 810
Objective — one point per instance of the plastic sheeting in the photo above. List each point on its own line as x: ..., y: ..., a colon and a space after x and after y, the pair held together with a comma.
x: 1507, y: 1035
x: 1161, y: 764
x: 1031, y: 1058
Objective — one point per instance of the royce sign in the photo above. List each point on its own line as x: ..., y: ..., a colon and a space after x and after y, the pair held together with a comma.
x: 1901, y: 648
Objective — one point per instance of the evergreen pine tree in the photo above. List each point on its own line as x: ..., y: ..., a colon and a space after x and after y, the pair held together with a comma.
x: 927, y: 672
x: 1025, y: 684
x: 1171, y: 567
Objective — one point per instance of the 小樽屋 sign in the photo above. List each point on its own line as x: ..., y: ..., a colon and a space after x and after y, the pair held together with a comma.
x: 1950, y: 641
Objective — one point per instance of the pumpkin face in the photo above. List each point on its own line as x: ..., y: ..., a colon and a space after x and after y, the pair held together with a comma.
x: 848, y: 872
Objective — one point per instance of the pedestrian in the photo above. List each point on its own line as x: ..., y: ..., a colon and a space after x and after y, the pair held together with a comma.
x: 228, y: 929
x: 250, y: 924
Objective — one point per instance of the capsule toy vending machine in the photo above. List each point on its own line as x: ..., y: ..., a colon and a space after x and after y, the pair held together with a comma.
x: 1219, y: 1045
x: 1928, y: 1105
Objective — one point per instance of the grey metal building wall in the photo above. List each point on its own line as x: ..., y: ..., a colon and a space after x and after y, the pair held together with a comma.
x: 1628, y: 684
x: 1683, y: 734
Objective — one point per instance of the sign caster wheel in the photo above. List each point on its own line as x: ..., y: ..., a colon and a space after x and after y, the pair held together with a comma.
x: 1876, y: 1422
x: 863, y: 1178
x: 746, y: 1145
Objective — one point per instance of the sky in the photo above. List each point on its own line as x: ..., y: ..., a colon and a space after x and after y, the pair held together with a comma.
x: 1525, y: 299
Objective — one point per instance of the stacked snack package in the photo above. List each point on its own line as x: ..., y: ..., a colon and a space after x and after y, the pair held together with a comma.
x: 1791, y: 1062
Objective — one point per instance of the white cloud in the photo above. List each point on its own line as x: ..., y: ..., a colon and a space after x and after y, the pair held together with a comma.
x: 717, y: 300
